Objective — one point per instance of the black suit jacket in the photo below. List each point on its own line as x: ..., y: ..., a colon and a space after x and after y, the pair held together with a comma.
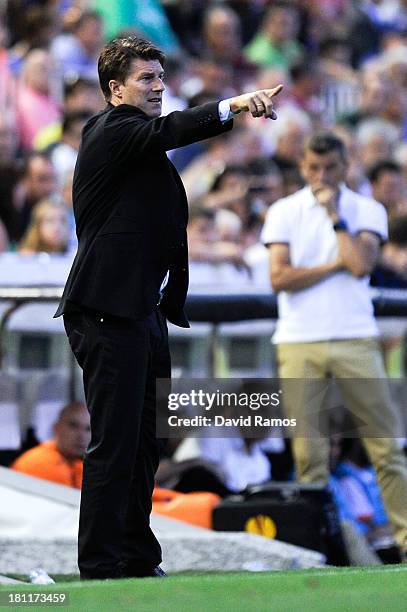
x: 131, y: 211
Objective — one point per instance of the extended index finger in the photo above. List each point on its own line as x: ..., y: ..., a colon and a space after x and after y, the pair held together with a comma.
x: 274, y: 91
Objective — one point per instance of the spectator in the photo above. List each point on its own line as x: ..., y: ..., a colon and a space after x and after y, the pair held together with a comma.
x: 335, y: 59
x: 64, y: 153
x: 222, y: 43
x: 375, y: 85
x: 371, y: 20
x: 265, y: 185
x: 37, y: 106
x: 34, y: 28
x: 226, y: 465
x: 276, y: 44
x: 356, y: 174
x: 294, y: 126
x: 204, y: 243
x: 60, y: 460
x: 382, y: 97
x: 305, y: 87
x: 240, y: 456
x: 242, y: 462
x: 82, y: 95
x: 389, y: 187
x: 173, y: 98
x: 76, y: 53
x: 376, y: 139
x: 246, y: 191
x: 324, y: 241
x: 9, y: 175
x: 228, y: 226
x: 229, y: 190
x: 49, y: 230
x: 39, y: 182
x: 391, y: 270
x: 199, y: 175
x: 211, y: 78
x: 394, y: 63
x: 360, y: 491
x: 340, y: 90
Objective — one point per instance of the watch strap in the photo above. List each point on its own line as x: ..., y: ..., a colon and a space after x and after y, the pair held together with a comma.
x: 340, y: 226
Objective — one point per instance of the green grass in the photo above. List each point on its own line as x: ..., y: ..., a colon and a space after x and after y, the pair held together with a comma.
x: 383, y: 589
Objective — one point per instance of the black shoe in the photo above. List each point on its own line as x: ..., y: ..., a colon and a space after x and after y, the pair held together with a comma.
x: 158, y: 573
x: 132, y: 572
x: 114, y: 575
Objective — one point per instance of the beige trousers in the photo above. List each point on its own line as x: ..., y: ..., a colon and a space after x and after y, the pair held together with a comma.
x: 367, y: 400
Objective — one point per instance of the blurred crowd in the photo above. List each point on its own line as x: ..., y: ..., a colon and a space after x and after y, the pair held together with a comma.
x: 343, y: 64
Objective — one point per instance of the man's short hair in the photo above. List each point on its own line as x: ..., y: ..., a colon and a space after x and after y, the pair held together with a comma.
x: 375, y: 172
x: 117, y: 56
x: 68, y: 408
x: 322, y: 143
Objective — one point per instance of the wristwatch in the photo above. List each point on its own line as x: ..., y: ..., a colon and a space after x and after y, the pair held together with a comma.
x: 340, y: 226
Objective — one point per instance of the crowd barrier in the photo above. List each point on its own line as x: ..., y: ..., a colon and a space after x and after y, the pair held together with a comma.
x: 229, y: 337
x: 215, y: 310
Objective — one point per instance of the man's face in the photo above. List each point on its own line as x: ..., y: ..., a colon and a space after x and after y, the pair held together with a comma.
x: 39, y: 70
x: 326, y: 170
x: 72, y: 433
x: 142, y: 88
x: 54, y: 229
x: 223, y: 33
x: 388, y: 189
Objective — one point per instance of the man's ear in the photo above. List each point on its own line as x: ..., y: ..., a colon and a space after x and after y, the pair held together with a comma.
x: 115, y: 88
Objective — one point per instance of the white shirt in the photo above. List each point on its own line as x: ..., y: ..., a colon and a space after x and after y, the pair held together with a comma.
x: 339, y: 306
x: 63, y: 158
x: 241, y: 466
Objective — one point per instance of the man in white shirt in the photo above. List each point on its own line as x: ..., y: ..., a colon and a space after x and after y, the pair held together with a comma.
x: 324, y: 242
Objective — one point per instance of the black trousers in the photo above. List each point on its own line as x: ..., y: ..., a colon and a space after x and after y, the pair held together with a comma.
x: 121, y: 360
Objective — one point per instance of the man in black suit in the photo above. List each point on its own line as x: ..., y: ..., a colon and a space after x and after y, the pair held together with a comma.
x: 130, y: 274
